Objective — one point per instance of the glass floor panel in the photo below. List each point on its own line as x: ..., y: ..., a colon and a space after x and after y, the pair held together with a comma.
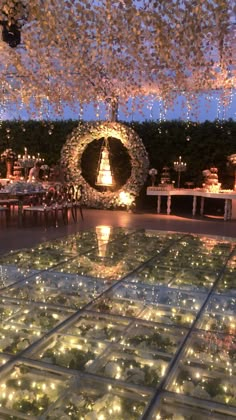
x: 119, y: 323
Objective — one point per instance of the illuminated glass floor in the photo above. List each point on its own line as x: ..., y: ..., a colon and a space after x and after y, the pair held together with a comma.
x: 121, y: 324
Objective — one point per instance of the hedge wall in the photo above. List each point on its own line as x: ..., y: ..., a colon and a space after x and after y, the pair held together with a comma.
x: 200, y: 145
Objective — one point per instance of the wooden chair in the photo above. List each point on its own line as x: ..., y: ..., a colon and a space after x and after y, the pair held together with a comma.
x: 61, y: 204
x: 71, y: 201
x: 10, y: 203
x: 74, y: 201
x: 50, y: 207
x: 78, y: 196
x: 5, y: 209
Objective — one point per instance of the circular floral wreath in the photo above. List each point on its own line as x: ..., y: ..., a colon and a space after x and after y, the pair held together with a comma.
x: 75, y: 145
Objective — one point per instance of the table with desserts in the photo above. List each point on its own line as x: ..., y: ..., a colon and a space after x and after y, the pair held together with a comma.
x: 229, y: 197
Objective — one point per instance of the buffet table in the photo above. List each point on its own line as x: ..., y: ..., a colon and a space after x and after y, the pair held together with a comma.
x: 229, y: 197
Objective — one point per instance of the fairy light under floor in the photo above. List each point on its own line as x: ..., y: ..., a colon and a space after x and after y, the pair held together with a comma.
x: 136, y: 324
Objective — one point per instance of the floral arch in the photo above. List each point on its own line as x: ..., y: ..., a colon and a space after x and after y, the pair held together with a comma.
x: 73, y: 150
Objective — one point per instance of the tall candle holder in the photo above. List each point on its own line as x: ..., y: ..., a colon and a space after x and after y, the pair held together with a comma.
x: 27, y: 161
x: 153, y: 174
x: 179, y: 167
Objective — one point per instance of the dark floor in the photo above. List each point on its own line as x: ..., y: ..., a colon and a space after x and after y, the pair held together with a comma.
x: 14, y: 237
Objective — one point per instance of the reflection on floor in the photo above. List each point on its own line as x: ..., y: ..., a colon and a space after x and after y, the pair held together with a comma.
x: 121, y: 323
x: 14, y: 237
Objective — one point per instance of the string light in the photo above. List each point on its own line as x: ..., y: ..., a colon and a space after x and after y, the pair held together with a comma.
x: 128, y: 340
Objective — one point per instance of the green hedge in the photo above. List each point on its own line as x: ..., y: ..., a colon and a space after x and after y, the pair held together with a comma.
x: 200, y: 145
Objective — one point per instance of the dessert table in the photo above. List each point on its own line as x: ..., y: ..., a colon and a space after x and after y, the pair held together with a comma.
x: 228, y: 196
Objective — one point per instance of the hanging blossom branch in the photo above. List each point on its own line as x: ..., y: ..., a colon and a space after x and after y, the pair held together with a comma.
x: 119, y: 49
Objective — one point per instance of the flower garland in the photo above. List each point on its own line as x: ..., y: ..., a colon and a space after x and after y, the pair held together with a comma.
x: 74, y: 147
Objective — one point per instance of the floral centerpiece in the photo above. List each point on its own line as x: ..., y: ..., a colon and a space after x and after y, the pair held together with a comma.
x: 232, y: 162
x: 24, y: 187
x: 153, y: 172
x: 8, y: 156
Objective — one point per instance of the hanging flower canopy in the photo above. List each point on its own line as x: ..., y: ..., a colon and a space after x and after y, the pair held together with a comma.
x: 56, y: 52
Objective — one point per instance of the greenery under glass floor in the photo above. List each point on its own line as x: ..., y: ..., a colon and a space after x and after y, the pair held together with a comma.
x: 128, y: 324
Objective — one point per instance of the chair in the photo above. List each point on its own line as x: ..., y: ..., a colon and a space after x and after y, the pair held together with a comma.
x: 5, y: 209
x: 78, y: 196
x: 51, y: 205
x: 10, y: 203
x: 71, y: 201
x: 60, y: 204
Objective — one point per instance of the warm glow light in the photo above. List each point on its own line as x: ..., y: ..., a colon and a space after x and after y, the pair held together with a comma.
x: 75, y: 146
x: 104, y: 177
x: 125, y: 198
x: 103, y: 234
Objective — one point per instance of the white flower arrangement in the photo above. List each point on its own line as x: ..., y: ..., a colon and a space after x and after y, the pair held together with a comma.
x: 8, y: 154
x: 232, y: 159
x: 152, y: 171
x: 75, y: 145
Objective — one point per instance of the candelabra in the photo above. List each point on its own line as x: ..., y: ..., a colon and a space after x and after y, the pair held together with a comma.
x: 27, y: 161
x: 179, y: 167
